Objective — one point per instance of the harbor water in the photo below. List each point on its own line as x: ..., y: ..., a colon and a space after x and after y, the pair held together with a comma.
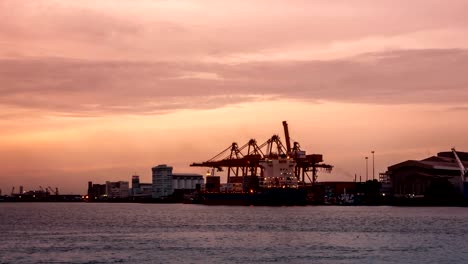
x: 179, y: 233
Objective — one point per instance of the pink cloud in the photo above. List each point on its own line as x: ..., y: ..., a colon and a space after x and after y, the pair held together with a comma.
x: 195, y: 30
x: 101, y: 88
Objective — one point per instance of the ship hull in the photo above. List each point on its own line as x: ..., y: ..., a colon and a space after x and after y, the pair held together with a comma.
x: 267, y: 197
x: 227, y: 198
x: 465, y: 191
x: 280, y: 197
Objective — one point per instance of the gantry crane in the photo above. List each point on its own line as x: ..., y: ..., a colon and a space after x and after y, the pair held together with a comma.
x: 244, y: 161
x: 52, y: 191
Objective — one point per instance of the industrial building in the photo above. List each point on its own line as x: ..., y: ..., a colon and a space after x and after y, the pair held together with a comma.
x: 164, y: 184
x: 109, y: 190
x: 436, y: 177
x: 96, y: 191
x: 167, y: 183
x: 162, y: 181
x: 186, y: 181
x: 141, y: 190
x: 117, y: 190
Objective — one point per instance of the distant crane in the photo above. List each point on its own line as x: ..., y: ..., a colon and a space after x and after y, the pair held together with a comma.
x: 463, y: 170
x: 55, y: 192
x: 463, y: 174
x: 243, y: 161
x: 286, y: 137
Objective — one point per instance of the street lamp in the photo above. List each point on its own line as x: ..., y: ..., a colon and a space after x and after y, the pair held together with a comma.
x: 373, y: 165
x: 367, y: 169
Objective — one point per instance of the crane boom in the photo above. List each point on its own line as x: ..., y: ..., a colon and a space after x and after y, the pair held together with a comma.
x: 286, y: 137
x: 463, y: 170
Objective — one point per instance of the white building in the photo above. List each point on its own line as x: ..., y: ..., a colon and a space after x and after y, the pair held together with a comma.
x: 165, y: 182
x: 118, y: 189
x: 162, y: 181
x: 186, y: 181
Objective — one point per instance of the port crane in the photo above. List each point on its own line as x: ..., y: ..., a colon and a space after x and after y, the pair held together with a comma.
x: 55, y: 192
x: 244, y: 161
x: 463, y: 175
x: 463, y: 170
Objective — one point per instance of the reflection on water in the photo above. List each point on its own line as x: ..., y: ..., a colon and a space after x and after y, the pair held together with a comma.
x: 177, y: 233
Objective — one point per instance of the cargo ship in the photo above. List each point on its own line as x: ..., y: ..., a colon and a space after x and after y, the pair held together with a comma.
x: 270, y: 173
x: 277, y: 186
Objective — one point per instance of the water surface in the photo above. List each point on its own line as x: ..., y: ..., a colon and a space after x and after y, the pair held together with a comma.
x: 178, y: 233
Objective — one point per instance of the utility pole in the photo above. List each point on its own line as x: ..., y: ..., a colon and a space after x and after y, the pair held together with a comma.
x: 367, y: 169
x: 373, y: 165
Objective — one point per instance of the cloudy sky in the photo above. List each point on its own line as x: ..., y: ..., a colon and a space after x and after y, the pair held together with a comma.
x: 99, y: 90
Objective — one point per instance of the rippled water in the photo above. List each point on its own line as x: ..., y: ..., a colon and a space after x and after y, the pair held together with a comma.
x: 177, y: 233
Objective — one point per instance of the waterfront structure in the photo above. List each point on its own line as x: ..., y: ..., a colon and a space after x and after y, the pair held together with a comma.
x: 213, y: 184
x: 437, y: 176
x: 141, y: 189
x: 186, y: 181
x: 242, y: 162
x: 117, y: 190
x: 277, y: 185
x: 386, y: 183
x: 96, y: 191
x: 338, y: 192
x: 278, y: 173
x: 146, y: 189
x: 162, y: 181
x: 165, y: 182
x: 135, y: 184
x: 266, y: 174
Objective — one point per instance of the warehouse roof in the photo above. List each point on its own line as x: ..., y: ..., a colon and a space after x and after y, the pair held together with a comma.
x: 443, y: 161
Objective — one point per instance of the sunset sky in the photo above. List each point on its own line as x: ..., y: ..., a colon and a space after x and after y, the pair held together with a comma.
x: 99, y: 90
